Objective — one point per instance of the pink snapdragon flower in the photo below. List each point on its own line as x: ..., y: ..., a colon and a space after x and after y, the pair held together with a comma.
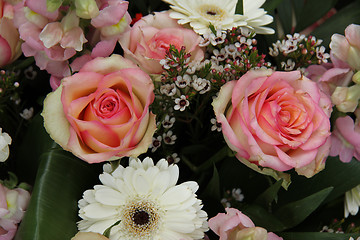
x: 346, y: 138
x: 234, y: 225
x: 13, y: 204
x: 9, y: 36
x: 347, y: 48
x: 54, y: 37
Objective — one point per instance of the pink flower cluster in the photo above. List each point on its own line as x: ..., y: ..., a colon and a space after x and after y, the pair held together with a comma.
x: 54, y: 37
x: 337, y: 80
x: 13, y: 204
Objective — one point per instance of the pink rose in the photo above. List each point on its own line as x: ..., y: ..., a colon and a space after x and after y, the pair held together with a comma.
x: 102, y: 112
x: 278, y: 120
x: 150, y: 37
x: 13, y: 203
x: 9, y: 36
x: 234, y: 225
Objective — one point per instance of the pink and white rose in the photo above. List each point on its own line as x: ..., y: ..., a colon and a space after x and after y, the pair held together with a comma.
x: 10, y: 43
x: 234, y: 225
x: 150, y: 37
x: 102, y: 112
x: 277, y: 120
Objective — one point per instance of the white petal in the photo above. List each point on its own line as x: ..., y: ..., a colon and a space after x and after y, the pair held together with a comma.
x: 99, y: 211
x: 109, y: 196
x: 175, y: 195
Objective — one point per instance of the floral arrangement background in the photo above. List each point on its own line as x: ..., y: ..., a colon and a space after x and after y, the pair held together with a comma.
x: 179, y: 119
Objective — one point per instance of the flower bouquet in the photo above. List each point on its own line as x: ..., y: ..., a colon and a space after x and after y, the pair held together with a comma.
x: 179, y: 119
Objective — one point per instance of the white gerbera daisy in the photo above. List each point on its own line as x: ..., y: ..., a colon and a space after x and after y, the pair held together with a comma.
x: 352, y: 201
x: 145, y: 201
x: 221, y: 14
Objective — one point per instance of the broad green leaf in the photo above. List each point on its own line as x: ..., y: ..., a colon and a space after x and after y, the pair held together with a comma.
x: 341, y: 176
x: 240, y: 7
x: 263, y: 218
x: 53, y: 5
x: 270, y: 5
x: 268, y: 196
x: 285, y: 15
x: 295, y: 212
x: 35, y: 141
x: 338, y: 22
x: 53, y: 210
x: 316, y: 235
x: 212, y: 190
x: 312, y: 11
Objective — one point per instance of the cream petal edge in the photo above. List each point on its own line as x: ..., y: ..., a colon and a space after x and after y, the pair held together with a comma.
x: 55, y: 121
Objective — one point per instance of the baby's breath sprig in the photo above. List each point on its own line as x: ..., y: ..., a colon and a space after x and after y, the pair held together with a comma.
x: 297, y: 51
x: 8, y: 87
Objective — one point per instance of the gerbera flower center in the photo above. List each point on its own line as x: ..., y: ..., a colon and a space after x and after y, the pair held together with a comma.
x: 141, y: 219
x: 212, y: 12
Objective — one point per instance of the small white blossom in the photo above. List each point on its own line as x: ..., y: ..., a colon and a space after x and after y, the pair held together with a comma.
x: 216, y: 125
x: 181, y: 103
x: 207, y: 87
x: 168, y: 89
x: 155, y: 144
x: 321, y: 55
x: 173, y: 158
x: 219, y: 55
x: 288, y: 65
x: 168, y: 122
x: 237, y: 195
x: 169, y: 138
x: 183, y: 81
x: 232, y: 51
x: 327, y: 229
x: 225, y: 203
x: 296, y: 37
x: 5, y: 141
x: 288, y: 46
x: 27, y: 113
x: 244, y: 43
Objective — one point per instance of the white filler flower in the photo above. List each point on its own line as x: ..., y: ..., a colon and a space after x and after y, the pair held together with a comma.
x: 146, y: 200
x: 5, y: 141
x: 221, y: 14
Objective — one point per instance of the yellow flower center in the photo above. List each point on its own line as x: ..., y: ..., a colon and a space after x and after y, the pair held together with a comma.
x: 211, y: 12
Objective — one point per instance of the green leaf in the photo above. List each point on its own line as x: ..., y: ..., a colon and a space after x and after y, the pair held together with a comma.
x: 262, y: 218
x: 338, y: 22
x: 53, y: 5
x: 285, y: 14
x: 240, y: 7
x: 270, y: 5
x: 342, y: 176
x: 108, y: 230
x: 212, y: 190
x: 317, y: 236
x: 313, y: 11
x: 34, y: 142
x: 53, y: 210
x: 270, y: 194
x: 295, y: 212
